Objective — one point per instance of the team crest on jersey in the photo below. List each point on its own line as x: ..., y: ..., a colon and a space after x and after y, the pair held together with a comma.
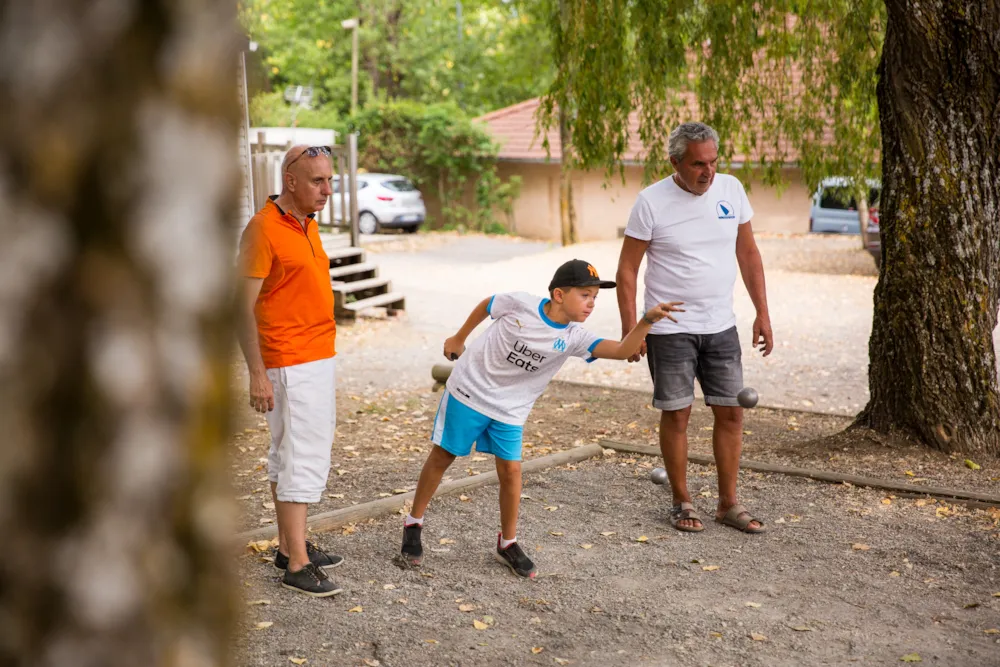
x: 559, y: 345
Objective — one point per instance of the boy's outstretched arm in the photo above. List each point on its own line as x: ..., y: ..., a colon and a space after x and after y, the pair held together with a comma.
x: 455, y: 346
x: 629, y: 345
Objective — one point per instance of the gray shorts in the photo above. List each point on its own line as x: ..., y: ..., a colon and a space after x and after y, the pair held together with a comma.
x: 675, y: 360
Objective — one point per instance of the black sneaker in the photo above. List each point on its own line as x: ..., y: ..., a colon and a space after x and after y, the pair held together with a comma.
x: 317, y: 557
x: 515, y: 559
x: 311, y: 581
x: 412, y: 551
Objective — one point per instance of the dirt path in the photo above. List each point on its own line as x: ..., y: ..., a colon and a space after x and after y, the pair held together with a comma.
x: 905, y: 588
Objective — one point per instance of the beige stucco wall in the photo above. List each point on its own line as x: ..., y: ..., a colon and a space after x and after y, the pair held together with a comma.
x: 602, y: 208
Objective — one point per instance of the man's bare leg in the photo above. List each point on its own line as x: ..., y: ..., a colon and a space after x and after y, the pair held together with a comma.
x: 430, y: 477
x: 674, y: 447
x: 727, y: 444
x: 509, y: 473
x: 292, y: 524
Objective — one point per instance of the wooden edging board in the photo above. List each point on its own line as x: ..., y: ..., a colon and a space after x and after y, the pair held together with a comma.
x: 337, y: 518
x: 821, y: 475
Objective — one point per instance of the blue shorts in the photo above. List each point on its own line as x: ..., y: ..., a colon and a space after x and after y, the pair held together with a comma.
x: 457, y: 426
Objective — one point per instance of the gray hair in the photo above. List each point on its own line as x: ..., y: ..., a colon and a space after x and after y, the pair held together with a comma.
x: 684, y: 134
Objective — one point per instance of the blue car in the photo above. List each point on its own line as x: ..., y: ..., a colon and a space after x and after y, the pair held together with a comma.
x: 834, y: 209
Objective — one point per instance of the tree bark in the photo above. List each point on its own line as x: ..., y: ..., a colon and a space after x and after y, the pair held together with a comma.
x: 117, y: 181
x: 567, y: 214
x: 933, y: 373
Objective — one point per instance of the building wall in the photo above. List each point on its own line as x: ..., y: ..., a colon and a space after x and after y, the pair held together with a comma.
x: 603, y: 208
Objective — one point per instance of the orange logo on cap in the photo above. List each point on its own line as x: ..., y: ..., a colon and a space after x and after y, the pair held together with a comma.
x: 592, y: 270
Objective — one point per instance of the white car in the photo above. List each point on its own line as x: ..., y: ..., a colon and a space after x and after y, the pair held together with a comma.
x: 384, y: 201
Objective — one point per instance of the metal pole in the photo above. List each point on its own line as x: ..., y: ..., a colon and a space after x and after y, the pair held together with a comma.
x: 248, y: 165
x: 354, y: 69
x: 342, y: 179
x: 352, y: 168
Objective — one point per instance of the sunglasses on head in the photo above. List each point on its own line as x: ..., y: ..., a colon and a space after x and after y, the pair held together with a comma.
x: 312, y: 151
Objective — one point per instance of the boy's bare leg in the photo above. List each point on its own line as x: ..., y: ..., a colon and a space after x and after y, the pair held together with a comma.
x: 674, y: 447
x: 292, y: 524
x: 430, y: 477
x: 282, y: 542
x: 509, y: 473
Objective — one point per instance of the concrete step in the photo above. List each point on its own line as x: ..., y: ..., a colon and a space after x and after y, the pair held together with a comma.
x: 348, y: 270
x: 362, y: 285
x: 393, y: 301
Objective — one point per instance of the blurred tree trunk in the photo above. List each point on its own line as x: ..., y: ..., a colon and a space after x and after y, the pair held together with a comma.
x: 117, y: 181
x: 939, y: 103
x: 567, y: 214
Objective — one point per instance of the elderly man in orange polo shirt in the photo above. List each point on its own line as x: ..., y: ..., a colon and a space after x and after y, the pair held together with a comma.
x: 287, y: 333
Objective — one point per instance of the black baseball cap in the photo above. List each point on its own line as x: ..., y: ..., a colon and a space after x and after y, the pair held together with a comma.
x: 578, y: 273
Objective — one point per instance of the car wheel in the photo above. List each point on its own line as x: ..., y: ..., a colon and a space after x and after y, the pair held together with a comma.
x: 412, y: 229
x: 367, y: 223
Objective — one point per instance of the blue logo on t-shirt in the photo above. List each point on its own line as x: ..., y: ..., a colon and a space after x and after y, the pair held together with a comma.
x: 559, y: 345
x: 725, y: 210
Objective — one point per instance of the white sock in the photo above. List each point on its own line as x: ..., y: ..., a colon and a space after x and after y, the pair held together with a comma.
x: 412, y: 520
x: 506, y: 543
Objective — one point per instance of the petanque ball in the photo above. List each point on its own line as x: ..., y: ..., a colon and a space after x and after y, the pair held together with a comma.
x: 747, y: 397
x: 658, y: 476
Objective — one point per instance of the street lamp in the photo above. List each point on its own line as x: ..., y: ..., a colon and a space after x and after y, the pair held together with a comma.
x: 353, y: 24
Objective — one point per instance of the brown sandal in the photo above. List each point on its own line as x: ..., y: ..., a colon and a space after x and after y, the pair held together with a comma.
x: 685, y: 511
x: 739, y: 517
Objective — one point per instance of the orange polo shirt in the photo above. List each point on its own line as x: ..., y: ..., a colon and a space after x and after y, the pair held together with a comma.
x: 294, y: 310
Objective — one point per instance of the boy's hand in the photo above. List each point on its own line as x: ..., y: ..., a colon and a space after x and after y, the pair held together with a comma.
x: 661, y: 310
x: 453, y: 348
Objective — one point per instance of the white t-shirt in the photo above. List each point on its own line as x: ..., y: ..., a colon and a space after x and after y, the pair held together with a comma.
x: 692, y: 251
x: 504, y: 371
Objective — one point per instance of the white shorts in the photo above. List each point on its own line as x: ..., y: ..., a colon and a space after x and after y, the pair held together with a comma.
x: 302, y: 426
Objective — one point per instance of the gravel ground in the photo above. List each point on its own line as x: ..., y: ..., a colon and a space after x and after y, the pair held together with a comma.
x: 840, y: 578
x: 819, y: 292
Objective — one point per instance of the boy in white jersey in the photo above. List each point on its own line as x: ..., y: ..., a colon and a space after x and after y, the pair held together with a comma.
x: 496, y: 381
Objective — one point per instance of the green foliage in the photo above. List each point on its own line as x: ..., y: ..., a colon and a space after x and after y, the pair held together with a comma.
x: 271, y: 110
x: 443, y: 152
x: 785, y: 80
x: 409, y: 49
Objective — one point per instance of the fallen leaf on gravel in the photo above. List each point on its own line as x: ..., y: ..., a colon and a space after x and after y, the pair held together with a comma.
x: 264, y: 522
x: 942, y: 512
x: 911, y: 657
x: 384, y: 495
x: 428, y: 575
x: 608, y: 533
x: 388, y: 587
x: 446, y: 540
x: 992, y: 631
x: 971, y: 605
x: 372, y: 663
x: 552, y: 508
x: 267, y: 505
x: 535, y: 619
x: 341, y: 471
x: 355, y: 610
x: 757, y: 637
x: 399, y: 490
x: 258, y: 546
x: 479, y: 625
x: 298, y: 661
x: 561, y: 661
x: 466, y: 607
x: 800, y: 628
x: 586, y: 546
x: 556, y: 533
x: 464, y: 498
x: 488, y: 620
x: 886, y: 501
x: 972, y: 465
x: 910, y: 473
x: 596, y: 610
x: 264, y: 625
x: 537, y: 649
x: 997, y: 594
x: 717, y: 635
x: 710, y: 568
x: 246, y: 497
x: 755, y: 605
x: 348, y: 529
x: 338, y: 496
x: 858, y: 546
x: 431, y: 641
x: 894, y: 574
x: 921, y: 502
x: 780, y: 520
x: 642, y: 538
x: 253, y: 603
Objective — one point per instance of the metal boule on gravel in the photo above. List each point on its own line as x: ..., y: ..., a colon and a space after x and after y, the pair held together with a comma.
x: 658, y: 476
x: 747, y: 397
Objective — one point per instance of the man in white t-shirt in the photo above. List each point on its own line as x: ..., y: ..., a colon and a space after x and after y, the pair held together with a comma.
x: 496, y: 381
x: 694, y: 229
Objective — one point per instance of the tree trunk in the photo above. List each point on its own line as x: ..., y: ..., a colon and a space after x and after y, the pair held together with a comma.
x: 933, y: 373
x: 567, y: 214
x: 117, y: 182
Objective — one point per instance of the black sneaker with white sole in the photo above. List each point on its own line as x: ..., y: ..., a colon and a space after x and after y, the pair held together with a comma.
x: 515, y: 559
x: 412, y: 551
x: 317, y: 557
x: 311, y: 581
